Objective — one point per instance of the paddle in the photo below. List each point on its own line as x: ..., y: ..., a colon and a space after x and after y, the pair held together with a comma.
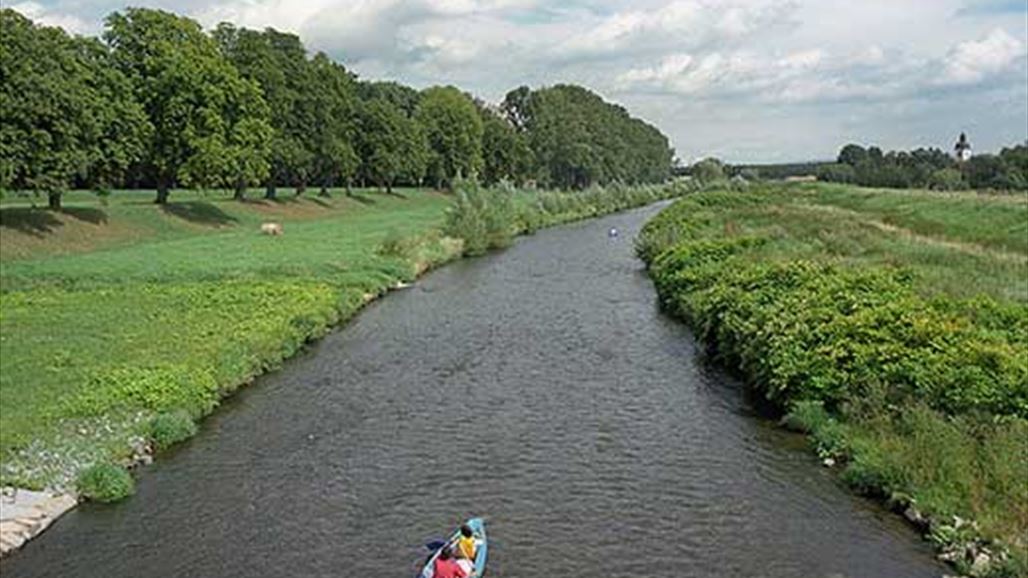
x: 435, y: 545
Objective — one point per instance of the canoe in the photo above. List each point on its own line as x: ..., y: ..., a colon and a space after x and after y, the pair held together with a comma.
x: 477, y: 526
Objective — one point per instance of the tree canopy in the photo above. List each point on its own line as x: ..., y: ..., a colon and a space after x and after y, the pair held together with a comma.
x: 578, y: 139
x: 210, y: 124
x: 66, y: 115
x: 160, y: 102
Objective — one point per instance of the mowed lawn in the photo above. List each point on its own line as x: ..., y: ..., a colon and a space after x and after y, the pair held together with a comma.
x: 111, y: 313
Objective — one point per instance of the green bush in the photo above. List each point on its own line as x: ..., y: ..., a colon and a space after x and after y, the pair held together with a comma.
x: 105, y: 482
x: 167, y: 429
x: 919, y: 393
x: 396, y: 244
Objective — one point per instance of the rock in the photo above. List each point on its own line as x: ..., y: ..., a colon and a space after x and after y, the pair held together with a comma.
x: 981, y: 564
x: 828, y: 462
x: 914, y: 516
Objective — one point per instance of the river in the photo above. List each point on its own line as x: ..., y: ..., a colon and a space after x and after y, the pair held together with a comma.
x: 540, y: 388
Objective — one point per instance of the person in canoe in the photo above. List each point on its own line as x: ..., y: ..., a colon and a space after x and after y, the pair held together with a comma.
x: 446, y: 566
x: 466, y: 544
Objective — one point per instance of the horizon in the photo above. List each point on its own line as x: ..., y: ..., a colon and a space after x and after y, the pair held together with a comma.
x: 761, y: 81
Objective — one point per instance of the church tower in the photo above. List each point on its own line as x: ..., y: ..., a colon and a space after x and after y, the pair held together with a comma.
x: 962, y: 150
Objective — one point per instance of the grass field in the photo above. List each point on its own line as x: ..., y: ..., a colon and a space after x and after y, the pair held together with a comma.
x: 112, y: 313
x: 890, y: 325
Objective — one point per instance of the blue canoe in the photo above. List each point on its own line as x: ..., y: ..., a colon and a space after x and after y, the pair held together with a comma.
x: 477, y: 526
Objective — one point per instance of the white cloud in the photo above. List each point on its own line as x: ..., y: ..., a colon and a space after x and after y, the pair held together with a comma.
x: 718, y: 76
x: 973, y: 61
x: 47, y: 17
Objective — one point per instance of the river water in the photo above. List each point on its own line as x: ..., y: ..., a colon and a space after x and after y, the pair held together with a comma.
x: 539, y: 388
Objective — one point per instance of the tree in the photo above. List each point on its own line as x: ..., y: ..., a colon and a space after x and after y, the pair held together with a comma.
x: 454, y: 132
x: 391, y: 145
x: 708, y: 170
x: 403, y: 97
x: 947, y: 179
x: 277, y: 61
x: 505, y: 153
x: 852, y: 155
x: 210, y: 124
x: 65, y: 116
x: 333, y: 111
x: 577, y: 139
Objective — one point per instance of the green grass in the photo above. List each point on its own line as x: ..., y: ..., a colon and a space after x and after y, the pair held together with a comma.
x: 174, y: 308
x: 890, y: 325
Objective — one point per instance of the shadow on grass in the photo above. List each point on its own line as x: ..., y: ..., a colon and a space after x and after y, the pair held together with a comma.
x: 29, y: 220
x: 87, y: 214
x: 362, y: 199
x: 199, y: 212
x: 320, y: 201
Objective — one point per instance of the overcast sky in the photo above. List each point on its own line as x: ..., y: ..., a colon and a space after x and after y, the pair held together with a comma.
x: 745, y: 80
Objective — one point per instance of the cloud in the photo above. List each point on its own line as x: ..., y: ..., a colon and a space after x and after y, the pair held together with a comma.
x: 47, y: 17
x: 976, y: 60
x: 730, y: 77
x: 689, y: 23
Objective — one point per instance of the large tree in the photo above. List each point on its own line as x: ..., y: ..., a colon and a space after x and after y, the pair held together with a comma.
x: 392, y: 146
x: 454, y: 132
x: 578, y: 139
x: 278, y: 62
x: 333, y: 110
x: 65, y: 115
x: 505, y: 153
x: 210, y: 124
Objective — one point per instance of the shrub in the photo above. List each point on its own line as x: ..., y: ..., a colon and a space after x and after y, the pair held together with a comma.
x: 105, y: 482
x: 395, y: 244
x: 167, y: 429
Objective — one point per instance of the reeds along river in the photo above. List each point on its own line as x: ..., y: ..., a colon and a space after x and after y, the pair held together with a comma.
x: 540, y: 388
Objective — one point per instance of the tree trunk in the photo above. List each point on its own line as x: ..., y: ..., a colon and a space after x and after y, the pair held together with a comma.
x: 269, y: 192
x: 389, y: 187
x: 54, y: 201
x: 162, y: 192
x: 240, y: 194
x: 300, y: 188
x: 324, y: 191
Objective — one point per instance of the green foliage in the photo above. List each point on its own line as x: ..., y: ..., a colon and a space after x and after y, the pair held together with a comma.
x: 169, y: 428
x: 708, y: 170
x: 105, y: 482
x: 919, y: 393
x: 66, y: 115
x: 210, y: 124
x: 453, y: 129
x: 946, y: 179
x: 483, y: 217
x: 506, y: 156
x: 392, y: 145
x: 929, y: 168
x: 578, y: 139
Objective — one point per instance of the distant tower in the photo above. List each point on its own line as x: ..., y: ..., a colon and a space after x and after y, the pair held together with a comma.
x: 962, y: 150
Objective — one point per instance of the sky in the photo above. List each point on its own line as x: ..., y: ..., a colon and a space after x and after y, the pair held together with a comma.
x: 743, y: 80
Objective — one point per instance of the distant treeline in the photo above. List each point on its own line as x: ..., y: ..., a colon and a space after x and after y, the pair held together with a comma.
x: 922, y: 168
x: 158, y: 103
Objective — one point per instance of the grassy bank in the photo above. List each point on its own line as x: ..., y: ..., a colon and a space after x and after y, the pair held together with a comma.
x: 892, y: 326
x: 122, y: 322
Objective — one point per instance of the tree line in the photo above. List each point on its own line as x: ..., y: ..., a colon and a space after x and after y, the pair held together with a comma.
x: 924, y: 168
x: 929, y: 168
x: 157, y: 102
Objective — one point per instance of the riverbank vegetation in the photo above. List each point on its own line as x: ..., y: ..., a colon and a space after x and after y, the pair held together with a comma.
x: 892, y: 326
x: 115, y: 347
x: 157, y: 102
